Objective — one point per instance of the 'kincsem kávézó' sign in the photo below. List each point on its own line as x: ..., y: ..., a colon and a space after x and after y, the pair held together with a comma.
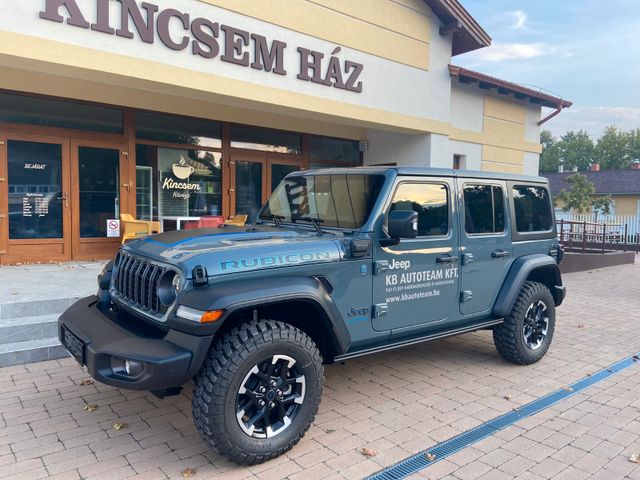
x: 207, y: 39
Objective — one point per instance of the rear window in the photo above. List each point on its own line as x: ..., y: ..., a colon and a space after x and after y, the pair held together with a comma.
x: 532, y: 208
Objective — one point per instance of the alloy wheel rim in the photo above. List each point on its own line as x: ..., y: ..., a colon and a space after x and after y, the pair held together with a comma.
x: 536, y: 325
x: 270, y: 397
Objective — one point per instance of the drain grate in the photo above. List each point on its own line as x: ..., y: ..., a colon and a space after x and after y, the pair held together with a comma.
x: 418, y: 462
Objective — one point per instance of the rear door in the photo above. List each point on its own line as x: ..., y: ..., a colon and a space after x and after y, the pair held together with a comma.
x: 486, y: 251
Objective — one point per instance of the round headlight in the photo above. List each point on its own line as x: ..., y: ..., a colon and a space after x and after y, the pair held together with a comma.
x: 168, y: 287
x: 176, y: 284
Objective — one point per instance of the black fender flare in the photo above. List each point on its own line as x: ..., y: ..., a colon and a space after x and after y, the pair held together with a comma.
x: 520, y: 270
x: 235, y: 295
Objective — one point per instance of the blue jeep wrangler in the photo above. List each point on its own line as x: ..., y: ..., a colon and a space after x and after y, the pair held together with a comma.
x: 339, y: 263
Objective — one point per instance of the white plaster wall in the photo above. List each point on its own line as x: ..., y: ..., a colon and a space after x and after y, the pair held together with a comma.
x: 387, y: 85
x: 440, y: 151
x: 472, y: 152
x: 401, y: 149
x: 532, y: 130
x: 467, y: 106
x: 531, y: 163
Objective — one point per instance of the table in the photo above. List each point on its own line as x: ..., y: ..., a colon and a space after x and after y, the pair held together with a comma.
x: 178, y: 221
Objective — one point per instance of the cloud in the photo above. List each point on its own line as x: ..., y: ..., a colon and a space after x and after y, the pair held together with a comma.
x: 518, y: 19
x: 499, y: 52
x: 594, y: 119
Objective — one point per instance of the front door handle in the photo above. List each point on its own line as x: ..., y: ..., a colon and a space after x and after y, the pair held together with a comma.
x: 447, y: 259
x: 499, y: 254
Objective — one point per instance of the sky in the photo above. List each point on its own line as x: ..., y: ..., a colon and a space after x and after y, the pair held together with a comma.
x: 586, y: 51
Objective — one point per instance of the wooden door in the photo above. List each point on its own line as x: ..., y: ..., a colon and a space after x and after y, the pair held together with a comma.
x: 102, y: 189
x: 35, y: 206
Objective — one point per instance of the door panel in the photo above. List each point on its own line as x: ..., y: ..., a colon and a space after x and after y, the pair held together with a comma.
x: 101, y: 187
x: 37, y: 224
x: 485, y: 246
x: 416, y: 281
x: 249, y: 187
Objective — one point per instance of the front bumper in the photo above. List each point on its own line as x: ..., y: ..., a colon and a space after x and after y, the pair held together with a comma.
x: 169, y: 359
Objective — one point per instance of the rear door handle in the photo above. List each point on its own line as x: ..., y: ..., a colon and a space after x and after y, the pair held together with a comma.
x: 499, y: 254
x: 447, y: 259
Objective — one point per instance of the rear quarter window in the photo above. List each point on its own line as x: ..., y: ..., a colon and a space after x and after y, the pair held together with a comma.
x: 532, y: 208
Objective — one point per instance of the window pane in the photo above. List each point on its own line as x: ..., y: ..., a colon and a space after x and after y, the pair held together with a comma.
x: 187, y: 183
x: 344, y: 201
x: 484, y: 209
x: 265, y: 140
x: 248, y: 189
x: 144, y: 193
x: 99, y: 194
x: 278, y: 172
x: 35, y: 191
x: 532, y: 209
x: 176, y: 129
x: 55, y: 113
x: 343, y: 151
x: 430, y: 201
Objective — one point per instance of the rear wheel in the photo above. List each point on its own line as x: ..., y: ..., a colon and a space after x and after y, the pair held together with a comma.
x: 526, y: 334
x: 258, y: 391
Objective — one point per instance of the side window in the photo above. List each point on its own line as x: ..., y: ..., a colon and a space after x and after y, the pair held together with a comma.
x: 532, y: 208
x: 483, y: 209
x: 430, y: 201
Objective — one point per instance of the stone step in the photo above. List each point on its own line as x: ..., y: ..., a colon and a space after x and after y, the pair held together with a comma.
x: 22, y: 329
x: 35, y: 307
x: 31, y: 351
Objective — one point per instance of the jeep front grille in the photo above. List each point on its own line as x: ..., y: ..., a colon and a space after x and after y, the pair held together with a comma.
x: 136, y: 281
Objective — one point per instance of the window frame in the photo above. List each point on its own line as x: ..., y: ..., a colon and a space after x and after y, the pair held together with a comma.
x: 505, y: 200
x: 538, y: 235
x: 449, y: 186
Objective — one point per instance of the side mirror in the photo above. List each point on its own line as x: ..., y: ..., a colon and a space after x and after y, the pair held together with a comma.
x: 403, y: 224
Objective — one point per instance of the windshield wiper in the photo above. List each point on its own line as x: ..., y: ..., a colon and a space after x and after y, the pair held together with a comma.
x: 316, y: 222
x: 277, y: 219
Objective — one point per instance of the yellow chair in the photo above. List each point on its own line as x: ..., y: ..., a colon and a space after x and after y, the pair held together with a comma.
x: 237, y: 221
x: 132, y: 228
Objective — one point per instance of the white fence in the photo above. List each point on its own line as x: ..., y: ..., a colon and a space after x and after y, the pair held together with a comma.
x: 615, y: 223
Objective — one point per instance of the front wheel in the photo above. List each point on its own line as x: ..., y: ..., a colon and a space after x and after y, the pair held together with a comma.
x: 258, y: 391
x: 526, y: 334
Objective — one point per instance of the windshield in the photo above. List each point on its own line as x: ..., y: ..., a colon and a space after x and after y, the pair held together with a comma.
x: 336, y: 200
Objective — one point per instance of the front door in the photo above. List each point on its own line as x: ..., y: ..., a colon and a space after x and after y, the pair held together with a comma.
x: 255, y: 177
x: 101, y: 174
x: 485, y: 245
x: 416, y: 281
x: 35, y: 185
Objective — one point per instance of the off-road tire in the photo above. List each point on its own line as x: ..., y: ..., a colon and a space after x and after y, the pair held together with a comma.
x: 508, y: 336
x: 217, y: 383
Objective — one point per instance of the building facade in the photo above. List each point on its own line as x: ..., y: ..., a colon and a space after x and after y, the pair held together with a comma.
x: 171, y: 110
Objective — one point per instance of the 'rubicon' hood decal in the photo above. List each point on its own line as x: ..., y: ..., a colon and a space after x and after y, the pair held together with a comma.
x: 233, y: 250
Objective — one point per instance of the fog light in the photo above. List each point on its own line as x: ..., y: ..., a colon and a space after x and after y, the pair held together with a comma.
x: 132, y: 368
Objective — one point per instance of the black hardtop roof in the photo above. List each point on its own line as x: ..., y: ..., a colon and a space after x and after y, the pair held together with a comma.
x: 430, y: 172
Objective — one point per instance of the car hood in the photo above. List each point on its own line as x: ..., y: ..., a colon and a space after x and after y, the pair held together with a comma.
x: 239, y: 249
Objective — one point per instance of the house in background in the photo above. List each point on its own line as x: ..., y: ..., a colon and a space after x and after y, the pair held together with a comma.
x: 622, y: 185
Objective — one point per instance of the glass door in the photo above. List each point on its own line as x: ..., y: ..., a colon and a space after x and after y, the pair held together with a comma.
x: 278, y: 169
x: 35, y: 186
x: 100, y: 173
x: 249, y: 179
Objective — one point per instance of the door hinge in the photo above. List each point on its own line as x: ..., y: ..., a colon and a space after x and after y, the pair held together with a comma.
x: 232, y: 162
x: 1, y: 142
x: 380, y: 266
x: 379, y: 310
x: 3, y: 216
x: 126, y: 155
x: 2, y: 179
x: 467, y: 258
x: 465, y: 296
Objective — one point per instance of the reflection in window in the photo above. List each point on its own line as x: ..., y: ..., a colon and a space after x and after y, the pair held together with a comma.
x: 484, y: 209
x: 532, y: 209
x: 188, y: 183
x: 35, y: 191
x: 264, y: 140
x: 248, y: 189
x: 175, y: 129
x: 343, y: 201
x: 56, y: 113
x: 431, y: 203
x: 331, y: 149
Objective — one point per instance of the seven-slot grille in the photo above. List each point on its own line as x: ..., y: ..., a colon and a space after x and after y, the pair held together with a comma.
x: 136, y: 281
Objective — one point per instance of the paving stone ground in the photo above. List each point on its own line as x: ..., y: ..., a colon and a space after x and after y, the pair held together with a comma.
x: 397, y: 403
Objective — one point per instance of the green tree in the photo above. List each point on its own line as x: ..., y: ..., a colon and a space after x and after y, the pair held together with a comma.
x: 612, y: 149
x: 550, y: 156
x: 633, y: 145
x: 581, y: 196
x: 576, y: 150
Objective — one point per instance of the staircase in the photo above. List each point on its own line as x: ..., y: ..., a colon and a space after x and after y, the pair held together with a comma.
x: 29, y: 331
